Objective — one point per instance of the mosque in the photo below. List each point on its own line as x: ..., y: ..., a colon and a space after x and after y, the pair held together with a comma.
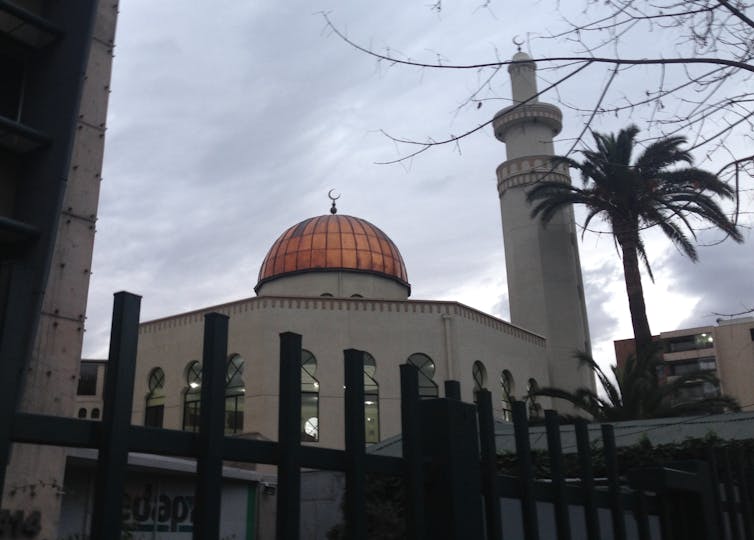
x: 341, y: 283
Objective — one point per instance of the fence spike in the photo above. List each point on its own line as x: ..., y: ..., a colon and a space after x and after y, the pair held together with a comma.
x: 489, y: 465
x: 107, y: 514
x: 209, y: 461
x: 526, y: 471
x: 289, y: 438
x: 555, y: 451
x: 412, y: 453
x: 355, y: 442
x: 587, y: 480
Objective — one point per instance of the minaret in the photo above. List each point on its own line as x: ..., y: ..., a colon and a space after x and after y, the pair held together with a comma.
x: 545, y: 288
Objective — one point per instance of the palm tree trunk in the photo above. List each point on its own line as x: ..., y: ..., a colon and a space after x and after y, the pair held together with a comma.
x: 635, y: 292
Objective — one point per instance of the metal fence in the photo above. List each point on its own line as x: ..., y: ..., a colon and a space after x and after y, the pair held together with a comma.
x: 446, y: 443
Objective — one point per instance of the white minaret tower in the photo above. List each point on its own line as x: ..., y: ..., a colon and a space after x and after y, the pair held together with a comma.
x: 545, y: 289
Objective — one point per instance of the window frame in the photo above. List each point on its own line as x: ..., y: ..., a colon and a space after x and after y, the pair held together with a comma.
x: 425, y: 378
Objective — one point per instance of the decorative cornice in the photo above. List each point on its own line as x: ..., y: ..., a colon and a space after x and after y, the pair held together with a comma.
x: 514, y: 115
x: 528, y: 170
x: 343, y: 304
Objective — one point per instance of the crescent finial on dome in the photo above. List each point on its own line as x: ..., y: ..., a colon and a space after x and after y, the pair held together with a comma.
x: 333, y: 209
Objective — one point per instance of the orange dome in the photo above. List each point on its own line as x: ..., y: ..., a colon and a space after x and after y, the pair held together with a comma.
x: 333, y: 242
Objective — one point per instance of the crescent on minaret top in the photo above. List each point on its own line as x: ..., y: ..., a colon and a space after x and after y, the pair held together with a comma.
x: 517, y: 41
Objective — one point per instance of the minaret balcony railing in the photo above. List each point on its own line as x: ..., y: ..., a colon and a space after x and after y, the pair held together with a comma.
x: 527, y: 113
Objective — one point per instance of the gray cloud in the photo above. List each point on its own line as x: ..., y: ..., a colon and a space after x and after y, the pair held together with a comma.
x: 229, y: 121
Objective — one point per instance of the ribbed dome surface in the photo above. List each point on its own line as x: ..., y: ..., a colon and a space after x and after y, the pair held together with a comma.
x: 333, y: 242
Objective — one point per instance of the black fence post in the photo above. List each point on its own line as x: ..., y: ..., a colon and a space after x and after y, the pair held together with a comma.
x: 453, y: 487
x: 613, y: 482
x: 453, y: 390
x: 209, y: 464
x: 289, y: 438
x: 641, y: 515
x: 716, y: 500
x: 493, y: 518
x: 684, y: 498
x: 412, y: 454
x: 587, y: 480
x: 555, y: 451
x: 744, y: 493
x: 525, y: 471
x: 107, y: 513
x: 730, y: 496
x: 355, y: 442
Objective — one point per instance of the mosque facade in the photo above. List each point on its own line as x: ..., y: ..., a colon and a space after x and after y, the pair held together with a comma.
x: 341, y: 283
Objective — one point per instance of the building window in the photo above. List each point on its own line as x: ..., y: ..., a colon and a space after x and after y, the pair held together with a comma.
x: 426, y: 367
x: 356, y: 295
x: 192, y: 397
x: 95, y: 413
x: 371, y: 401
x: 234, y: 395
x: 479, y: 374
x: 87, y: 379
x: 695, y: 365
x: 309, y: 398
x: 535, y: 409
x: 693, y: 342
x: 82, y: 413
x: 155, y: 407
x: 326, y: 295
x: 751, y: 333
x: 508, y: 387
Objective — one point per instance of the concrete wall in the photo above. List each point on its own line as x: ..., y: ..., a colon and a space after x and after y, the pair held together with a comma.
x: 337, y: 284
x: 35, y: 474
x: 734, y: 347
x: 158, y: 505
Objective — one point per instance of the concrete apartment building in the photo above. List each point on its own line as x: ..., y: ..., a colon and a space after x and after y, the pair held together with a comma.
x: 726, y: 348
x: 55, y: 63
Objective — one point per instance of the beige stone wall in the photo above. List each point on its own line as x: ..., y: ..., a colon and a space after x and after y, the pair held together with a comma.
x: 453, y: 335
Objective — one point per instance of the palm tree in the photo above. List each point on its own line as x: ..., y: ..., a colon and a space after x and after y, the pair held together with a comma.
x: 633, y: 196
x: 637, y: 393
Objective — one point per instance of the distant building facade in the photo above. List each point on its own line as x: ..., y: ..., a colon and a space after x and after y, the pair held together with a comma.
x: 726, y: 349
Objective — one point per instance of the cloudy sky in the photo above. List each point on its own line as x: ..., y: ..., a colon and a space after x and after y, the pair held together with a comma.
x: 229, y: 122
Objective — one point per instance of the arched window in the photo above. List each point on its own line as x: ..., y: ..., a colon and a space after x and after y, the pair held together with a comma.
x: 155, y: 407
x: 82, y: 413
x: 426, y: 367
x: 192, y: 398
x: 508, y: 387
x: 95, y: 413
x: 309, y: 398
x: 234, y: 395
x: 371, y: 401
x: 535, y: 409
x: 479, y: 374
